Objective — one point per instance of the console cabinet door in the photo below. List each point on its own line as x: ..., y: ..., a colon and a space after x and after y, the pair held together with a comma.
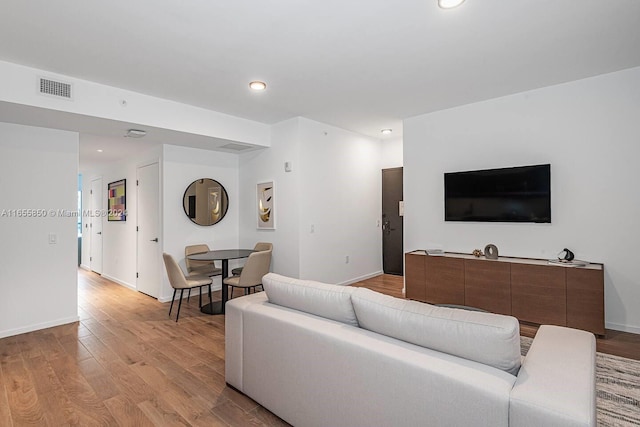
x: 414, y: 277
x: 445, y: 280
x: 585, y: 299
x: 539, y: 294
x: 487, y: 285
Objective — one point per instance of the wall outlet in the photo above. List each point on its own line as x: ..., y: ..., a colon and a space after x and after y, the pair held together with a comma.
x: 346, y: 259
x: 53, y: 238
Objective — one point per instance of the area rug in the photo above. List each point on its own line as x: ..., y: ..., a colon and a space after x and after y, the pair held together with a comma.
x: 617, y: 388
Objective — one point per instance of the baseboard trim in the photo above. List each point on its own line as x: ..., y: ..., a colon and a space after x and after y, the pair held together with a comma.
x: 119, y: 282
x: 360, y: 279
x: 622, y: 328
x: 38, y: 326
x: 85, y: 267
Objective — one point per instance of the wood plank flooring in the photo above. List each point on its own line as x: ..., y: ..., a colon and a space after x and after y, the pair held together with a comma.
x: 126, y: 363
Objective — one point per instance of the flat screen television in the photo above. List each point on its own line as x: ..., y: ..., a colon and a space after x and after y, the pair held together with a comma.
x: 517, y: 194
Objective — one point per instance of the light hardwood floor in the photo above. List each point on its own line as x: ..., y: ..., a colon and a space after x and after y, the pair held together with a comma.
x: 126, y: 363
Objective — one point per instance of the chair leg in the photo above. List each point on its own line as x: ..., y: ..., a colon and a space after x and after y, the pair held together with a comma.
x: 246, y: 291
x: 172, y: 299
x: 200, y: 297
x: 189, y: 295
x: 210, y: 299
x: 179, y: 304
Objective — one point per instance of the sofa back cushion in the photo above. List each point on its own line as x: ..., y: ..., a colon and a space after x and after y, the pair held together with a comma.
x: 491, y: 339
x: 329, y: 301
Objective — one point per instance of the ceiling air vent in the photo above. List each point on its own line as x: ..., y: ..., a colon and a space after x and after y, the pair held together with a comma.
x: 55, y: 88
x: 235, y: 147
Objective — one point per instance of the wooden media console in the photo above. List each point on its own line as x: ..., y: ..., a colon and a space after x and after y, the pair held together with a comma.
x: 532, y: 290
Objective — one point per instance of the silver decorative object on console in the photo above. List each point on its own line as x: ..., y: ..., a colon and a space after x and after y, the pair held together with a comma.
x: 491, y: 251
x: 566, y: 255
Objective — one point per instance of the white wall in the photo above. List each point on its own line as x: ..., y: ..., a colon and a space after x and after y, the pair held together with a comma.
x: 182, y: 166
x: 335, y: 185
x: 98, y: 100
x: 268, y: 165
x: 119, y: 244
x: 179, y: 166
x: 588, y: 130
x: 38, y: 280
x: 341, y: 197
x: 392, y: 151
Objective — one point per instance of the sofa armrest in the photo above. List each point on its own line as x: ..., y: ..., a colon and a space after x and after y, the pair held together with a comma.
x: 233, y: 336
x: 556, y: 384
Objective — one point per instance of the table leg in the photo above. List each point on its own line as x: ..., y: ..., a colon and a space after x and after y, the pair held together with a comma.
x: 225, y: 274
x: 217, y: 307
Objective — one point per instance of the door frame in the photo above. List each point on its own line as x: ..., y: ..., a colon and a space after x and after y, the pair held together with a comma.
x: 401, y: 168
x: 96, y: 217
x: 160, y: 262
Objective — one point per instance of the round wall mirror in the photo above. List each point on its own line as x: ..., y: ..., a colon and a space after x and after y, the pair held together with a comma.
x: 205, y: 201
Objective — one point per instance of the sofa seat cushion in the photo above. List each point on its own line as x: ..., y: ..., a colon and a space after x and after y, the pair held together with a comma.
x: 487, y: 338
x: 321, y: 299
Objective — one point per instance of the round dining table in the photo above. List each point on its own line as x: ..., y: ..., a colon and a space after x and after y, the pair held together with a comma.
x: 224, y: 255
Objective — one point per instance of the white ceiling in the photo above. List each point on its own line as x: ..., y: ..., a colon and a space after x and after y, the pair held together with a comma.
x: 362, y: 65
x: 109, y: 135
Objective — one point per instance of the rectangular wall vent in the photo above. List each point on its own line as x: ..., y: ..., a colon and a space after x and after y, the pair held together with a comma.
x: 55, y: 88
x: 235, y: 147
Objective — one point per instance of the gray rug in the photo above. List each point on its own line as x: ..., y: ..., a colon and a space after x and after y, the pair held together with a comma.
x: 617, y: 388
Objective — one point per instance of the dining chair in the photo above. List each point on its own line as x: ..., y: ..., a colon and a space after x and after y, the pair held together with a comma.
x: 179, y: 281
x: 259, y: 247
x: 199, y: 268
x: 255, y: 268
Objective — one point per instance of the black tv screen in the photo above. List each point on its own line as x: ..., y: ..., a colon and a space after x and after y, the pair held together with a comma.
x: 518, y: 194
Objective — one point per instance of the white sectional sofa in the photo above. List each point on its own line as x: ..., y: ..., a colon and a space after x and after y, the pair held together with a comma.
x: 326, y: 355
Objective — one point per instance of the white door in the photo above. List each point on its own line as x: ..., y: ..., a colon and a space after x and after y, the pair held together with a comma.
x: 95, y: 224
x: 149, y: 264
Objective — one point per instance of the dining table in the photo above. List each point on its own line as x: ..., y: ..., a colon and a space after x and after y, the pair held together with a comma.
x: 223, y: 255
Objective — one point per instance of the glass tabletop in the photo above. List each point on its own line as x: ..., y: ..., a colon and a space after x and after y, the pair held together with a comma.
x: 222, y: 254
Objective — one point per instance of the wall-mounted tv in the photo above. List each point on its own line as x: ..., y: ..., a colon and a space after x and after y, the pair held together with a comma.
x: 517, y: 194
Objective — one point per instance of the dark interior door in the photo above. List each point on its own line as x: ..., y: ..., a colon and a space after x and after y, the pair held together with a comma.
x: 392, y: 221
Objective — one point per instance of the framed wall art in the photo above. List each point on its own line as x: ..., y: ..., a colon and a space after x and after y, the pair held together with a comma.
x: 117, y: 200
x: 265, y: 205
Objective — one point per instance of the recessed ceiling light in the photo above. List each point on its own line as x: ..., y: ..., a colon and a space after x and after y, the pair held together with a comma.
x: 136, y: 133
x: 386, y: 131
x: 99, y: 151
x: 258, y: 85
x: 449, y: 4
